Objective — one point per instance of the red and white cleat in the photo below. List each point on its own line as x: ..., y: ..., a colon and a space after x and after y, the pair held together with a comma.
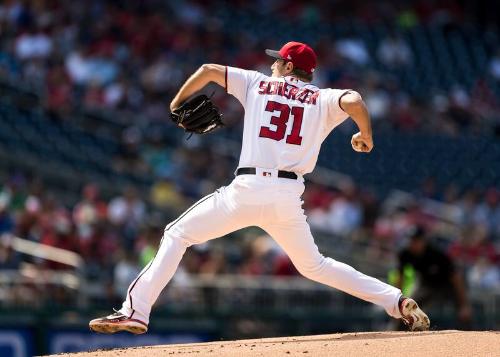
x: 118, y: 322
x: 413, y: 316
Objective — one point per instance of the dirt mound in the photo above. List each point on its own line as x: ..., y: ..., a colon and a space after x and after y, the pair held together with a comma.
x: 436, y: 343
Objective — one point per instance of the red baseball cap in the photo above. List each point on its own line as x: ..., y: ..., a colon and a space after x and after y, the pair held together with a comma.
x: 301, y: 55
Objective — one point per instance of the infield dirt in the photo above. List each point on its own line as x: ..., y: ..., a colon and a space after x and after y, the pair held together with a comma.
x: 434, y: 343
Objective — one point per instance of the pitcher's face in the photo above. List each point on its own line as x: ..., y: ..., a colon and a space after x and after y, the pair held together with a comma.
x: 281, y: 68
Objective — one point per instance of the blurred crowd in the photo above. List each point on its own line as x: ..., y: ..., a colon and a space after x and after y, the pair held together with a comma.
x: 466, y: 226
x: 133, y: 55
x: 130, y: 57
x: 117, y: 237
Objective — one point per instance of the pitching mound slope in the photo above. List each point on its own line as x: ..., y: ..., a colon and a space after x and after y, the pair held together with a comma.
x: 434, y: 343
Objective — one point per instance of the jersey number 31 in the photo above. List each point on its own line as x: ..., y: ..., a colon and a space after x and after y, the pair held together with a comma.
x: 281, y: 120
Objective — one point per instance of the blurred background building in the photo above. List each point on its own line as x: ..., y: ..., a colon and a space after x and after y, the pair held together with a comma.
x: 90, y: 163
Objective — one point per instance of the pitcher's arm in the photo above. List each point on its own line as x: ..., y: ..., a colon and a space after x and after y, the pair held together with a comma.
x: 352, y: 103
x: 205, y: 74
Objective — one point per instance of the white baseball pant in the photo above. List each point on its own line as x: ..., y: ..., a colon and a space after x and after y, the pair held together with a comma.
x: 269, y: 202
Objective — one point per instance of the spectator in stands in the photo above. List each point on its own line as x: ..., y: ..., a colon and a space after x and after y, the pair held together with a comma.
x: 161, y: 75
x: 487, y: 213
x: 116, y: 94
x: 257, y: 256
x: 58, y: 93
x: 394, y: 52
x: 78, y: 66
x: 9, y: 66
x: 14, y: 192
x: 474, y: 245
x: 8, y: 258
x: 459, y: 111
x: 214, y: 263
x: 125, y: 271
x: 33, y: 44
x: 345, y: 214
x: 338, y: 212
x: 6, y: 222
x: 317, y: 196
x: 165, y: 195
x: 59, y: 233
x: 127, y: 209
x: 90, y: 210
x: 354, y: 49
x: 283, y: 266
x: 94, y: 96
x: 100, y: 248
x: 439, y: 279
x: 129, y: 158
x: 148, y: 241
x: 466, y: 206
x: 377, y: 98
x: 484, y: 275
x: 494, y: 65
x: 127, y: 212
x: 405, y: 115
x: 28, y: 221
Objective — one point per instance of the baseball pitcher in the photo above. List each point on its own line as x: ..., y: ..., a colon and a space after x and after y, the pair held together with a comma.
x: 286, y: 120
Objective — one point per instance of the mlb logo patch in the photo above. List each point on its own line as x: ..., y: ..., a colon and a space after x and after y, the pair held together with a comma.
x: 266, y: 174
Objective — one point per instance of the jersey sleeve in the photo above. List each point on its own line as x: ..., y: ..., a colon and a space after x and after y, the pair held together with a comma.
x: 238, y: 81
x: 335, y: 114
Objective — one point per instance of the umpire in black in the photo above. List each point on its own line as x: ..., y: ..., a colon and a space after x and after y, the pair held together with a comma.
x: 439, y: 281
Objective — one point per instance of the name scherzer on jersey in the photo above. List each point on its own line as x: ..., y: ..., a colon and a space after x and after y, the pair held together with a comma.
x: 286, y: 120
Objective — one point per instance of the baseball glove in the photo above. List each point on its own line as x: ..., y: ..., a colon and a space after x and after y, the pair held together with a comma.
x: 197, y: 115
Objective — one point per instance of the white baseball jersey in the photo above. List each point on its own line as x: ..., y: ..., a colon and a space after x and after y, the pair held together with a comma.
x: 286, y: 120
